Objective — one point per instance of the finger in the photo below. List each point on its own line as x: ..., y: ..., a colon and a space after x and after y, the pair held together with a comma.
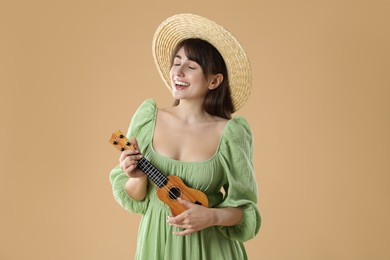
x: 185, y: 203
x: 133, y: 158
x: 134, y: 142
x: 130, y: 169
x: 130, y: 159
x: 127, y: 153
x: 179, y: 219
x: 183, y: 226
x: 128, y: 164
x: 179, y: 222
x: 184, y: 232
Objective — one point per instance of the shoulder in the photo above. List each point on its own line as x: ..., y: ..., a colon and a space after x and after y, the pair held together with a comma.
x: 146, y: 109
x: 220, y: 124
x: 166, y: 111
x: 237, y: 141
x: 239, y: 122
x: 144, y: 115
x: 149, y: 104
x: 238, y: 130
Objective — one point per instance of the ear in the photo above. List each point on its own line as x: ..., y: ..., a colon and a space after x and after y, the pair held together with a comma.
x: 215, y: 81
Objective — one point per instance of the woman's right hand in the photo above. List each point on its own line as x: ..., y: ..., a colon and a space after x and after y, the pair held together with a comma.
x: 129, y: 159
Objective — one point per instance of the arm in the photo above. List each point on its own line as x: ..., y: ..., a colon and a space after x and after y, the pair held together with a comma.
x: 241, y: 187
x: 136, y: 188
x: 118, y: 180
x: 227, y: 216
x: 124, y: 182
x: 129, y: 183
x: 198, y: 217
x: 136, y: 185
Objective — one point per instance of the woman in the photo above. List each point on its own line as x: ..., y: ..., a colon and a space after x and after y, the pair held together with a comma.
x: 208, y: 74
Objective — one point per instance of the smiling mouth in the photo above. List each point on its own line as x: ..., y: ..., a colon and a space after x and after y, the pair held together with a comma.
x: 181, y: 84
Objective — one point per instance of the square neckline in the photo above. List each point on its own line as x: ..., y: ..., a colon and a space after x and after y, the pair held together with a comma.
x: 212, y: 158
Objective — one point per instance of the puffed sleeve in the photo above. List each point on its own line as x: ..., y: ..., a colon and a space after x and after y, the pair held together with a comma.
x: 240, y: 185
x: 140, y: 127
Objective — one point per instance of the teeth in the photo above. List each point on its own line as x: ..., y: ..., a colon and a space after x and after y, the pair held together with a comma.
x: 181, y: 83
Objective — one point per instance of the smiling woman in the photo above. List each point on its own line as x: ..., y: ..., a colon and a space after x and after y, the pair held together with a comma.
x: 201, y: 55
x: 198, y: 141
x: 188, y: 80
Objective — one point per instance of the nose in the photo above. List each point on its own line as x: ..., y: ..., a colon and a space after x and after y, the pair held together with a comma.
x: 178, y: 70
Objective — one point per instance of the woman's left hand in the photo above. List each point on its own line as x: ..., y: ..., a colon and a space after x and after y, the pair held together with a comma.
x: 195, y: 218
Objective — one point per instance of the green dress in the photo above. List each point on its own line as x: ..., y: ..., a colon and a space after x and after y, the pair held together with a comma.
x: 230, y: 167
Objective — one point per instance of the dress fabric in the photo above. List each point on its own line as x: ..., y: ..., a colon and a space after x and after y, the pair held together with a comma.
x: 230, y: 167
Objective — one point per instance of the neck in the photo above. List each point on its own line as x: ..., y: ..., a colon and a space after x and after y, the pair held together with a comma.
x: 191, y: 112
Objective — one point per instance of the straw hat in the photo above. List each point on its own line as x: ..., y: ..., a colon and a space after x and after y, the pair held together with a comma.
x: 183, y: 26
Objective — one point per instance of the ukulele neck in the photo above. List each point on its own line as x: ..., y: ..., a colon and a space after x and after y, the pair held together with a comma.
x: 120, y: 141
x: 152, y: 172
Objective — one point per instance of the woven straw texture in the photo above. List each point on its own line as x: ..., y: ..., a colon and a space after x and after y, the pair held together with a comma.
x: 184, y: 26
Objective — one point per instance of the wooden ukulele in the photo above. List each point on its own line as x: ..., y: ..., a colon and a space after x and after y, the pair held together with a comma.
x: 169, y: 188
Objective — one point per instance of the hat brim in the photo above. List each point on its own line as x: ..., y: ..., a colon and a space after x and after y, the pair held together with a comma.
x: 184, y: 26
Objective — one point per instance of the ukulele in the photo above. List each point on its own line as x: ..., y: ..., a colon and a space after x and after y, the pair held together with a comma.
x: 169, y: 188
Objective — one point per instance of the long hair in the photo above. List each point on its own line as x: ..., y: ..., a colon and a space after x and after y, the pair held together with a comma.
x: 218, y: 102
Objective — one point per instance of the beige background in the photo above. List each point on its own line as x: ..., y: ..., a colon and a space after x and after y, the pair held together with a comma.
x: 71, y: 72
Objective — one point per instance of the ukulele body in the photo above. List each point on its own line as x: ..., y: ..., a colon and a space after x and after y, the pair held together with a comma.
x: 174, y: 189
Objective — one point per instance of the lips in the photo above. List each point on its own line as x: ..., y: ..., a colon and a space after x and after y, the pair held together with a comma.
x: 181, y: 84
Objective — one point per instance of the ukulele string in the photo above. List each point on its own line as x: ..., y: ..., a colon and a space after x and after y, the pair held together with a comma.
x: 160, y: 182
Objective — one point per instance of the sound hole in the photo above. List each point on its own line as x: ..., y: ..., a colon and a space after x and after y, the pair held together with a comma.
x: 174, y: 193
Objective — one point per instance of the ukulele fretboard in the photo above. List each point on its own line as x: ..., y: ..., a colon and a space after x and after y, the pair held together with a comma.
x: 153, y: 173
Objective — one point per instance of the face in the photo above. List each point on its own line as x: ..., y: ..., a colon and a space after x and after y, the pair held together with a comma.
x: 187, y: 78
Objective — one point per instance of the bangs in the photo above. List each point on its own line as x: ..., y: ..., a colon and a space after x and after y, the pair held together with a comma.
x: 203, y: 53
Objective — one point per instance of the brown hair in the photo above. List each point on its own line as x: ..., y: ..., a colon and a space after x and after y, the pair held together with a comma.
x: 218, y: 102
